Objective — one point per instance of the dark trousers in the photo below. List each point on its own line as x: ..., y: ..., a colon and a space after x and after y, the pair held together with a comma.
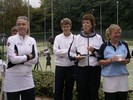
x: 25, y: 95
x: 64, y: 82
x: 116, y: 96
x: 88, y: 82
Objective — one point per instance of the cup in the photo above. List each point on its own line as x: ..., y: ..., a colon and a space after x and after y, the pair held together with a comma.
x: 119, y: 57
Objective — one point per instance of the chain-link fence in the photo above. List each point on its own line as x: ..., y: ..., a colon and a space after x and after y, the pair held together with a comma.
x: 130, y: 69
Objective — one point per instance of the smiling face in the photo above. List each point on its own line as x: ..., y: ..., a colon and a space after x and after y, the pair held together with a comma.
x: 66, y: 29
x: 23, y: 26
x: 66, y: 25
x: 114, y: 32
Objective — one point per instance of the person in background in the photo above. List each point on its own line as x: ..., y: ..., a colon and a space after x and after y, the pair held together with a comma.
x: 21, y: 55
x: 48, y: 61
x: 64, y: 68
x: 132, y: 53
x: 14, y: 30
x: 113, y: 56
x: 85, y: 52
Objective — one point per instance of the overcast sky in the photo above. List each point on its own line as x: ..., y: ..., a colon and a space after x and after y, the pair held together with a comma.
x: 34, y: 3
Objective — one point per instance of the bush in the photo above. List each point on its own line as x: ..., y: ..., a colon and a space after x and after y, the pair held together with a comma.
x: 0, y: 82
x: 44, y: 82
x: 101, y: 93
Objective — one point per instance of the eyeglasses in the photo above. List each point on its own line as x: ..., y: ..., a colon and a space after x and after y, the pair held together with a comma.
x: 22, y: 17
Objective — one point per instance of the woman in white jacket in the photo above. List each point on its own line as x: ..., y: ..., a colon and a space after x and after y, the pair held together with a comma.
x: 85, y: 50
x: 21, y: 55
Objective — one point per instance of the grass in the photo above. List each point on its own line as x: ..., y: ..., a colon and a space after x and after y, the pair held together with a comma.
x: 42, y: 60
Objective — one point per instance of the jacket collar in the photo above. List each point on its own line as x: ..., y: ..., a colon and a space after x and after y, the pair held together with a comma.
x: 92, y: 34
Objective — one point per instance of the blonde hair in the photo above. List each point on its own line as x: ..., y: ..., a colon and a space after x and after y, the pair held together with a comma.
x: 107, y: 34
x: 109, y: 30
x: 114, y: 26
x: 24, y: 18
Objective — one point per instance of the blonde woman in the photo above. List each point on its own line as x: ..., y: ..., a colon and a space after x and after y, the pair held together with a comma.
x: 21, y: 55
x: 113, y: 56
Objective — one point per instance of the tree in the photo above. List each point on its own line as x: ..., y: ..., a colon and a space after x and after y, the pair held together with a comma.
x: 11, y: 10
x: 37, y: 20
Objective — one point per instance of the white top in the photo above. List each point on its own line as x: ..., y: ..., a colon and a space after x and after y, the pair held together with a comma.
x: 115, y: 84
x: 2, y: 66
x: 61, y: 46
x: 19, y: 77
x: 80, y: 45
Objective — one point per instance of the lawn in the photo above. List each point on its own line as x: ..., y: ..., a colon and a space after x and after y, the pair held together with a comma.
x: 42, y: 60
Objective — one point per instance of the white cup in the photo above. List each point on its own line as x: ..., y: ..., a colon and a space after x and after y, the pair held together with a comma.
x: 120, y: 58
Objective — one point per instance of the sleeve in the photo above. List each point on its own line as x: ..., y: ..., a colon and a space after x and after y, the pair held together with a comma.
x: 12, y: 53
x: 57, y: 49
x: 35, y: 60
x: 101, y: 51
x: 72, y: 50
x: 96, y: 50
x: 128, y: 52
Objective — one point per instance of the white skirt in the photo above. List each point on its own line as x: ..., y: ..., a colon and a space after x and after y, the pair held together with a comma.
x: 115, y: 84
x: 14, y: 83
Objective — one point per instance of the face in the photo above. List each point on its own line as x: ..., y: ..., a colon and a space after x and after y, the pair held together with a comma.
x: 115, y: 34
x: 86, y: 25
x: 14, y: 32
x: 22, y: 26
x: 66, y: 29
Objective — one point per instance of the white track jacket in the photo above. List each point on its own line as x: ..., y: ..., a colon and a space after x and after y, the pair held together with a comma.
x: 80, y: 45
x: 19, y: 76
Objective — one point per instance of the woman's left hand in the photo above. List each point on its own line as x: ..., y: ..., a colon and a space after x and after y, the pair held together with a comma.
x: 90, y: 48
x: 123, y: 61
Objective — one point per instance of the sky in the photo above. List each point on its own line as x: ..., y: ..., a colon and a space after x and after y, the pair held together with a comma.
x: 34, y: 3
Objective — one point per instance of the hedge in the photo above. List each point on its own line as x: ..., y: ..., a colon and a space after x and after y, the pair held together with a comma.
x: 44, y: 83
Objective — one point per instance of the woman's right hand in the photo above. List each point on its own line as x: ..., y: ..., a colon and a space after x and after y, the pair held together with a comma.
x: 79, y: 57
x: 114, y: 59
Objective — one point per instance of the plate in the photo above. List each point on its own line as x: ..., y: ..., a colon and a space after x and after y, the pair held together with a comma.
x: 84, y: 55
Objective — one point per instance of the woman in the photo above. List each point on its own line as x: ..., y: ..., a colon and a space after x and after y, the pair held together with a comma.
x: 14, y: 30
x: 21, y: 55
x: 64, y: 78
x: 113, y: 56
x: 86, y: 45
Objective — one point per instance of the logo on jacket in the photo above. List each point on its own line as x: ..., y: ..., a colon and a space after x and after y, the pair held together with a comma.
x: 8, y: 44
x: 20, y: 44
x: 108, y: 53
